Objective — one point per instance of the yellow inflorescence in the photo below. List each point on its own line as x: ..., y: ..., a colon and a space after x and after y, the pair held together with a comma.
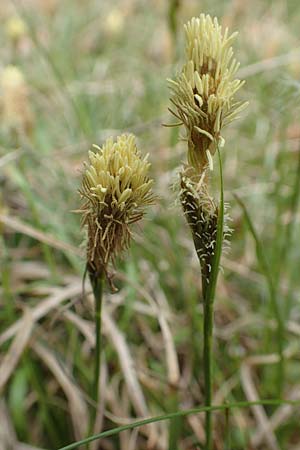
x: 203, y: 94
x: 114, y: 22
x: 16, y: 111
x: 15, y: 28
x: 117, y: 170
x: 116, y: 188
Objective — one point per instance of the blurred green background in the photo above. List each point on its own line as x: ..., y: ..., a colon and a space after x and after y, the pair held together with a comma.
x: 86, y: 70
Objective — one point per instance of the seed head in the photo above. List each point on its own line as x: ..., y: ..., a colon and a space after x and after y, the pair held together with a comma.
x: 115, y: 190
x: 203, y: 93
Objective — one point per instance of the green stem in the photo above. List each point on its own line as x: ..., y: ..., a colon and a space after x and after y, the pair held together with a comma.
x: 289, y: 232
x: 97, y: 286
x: 8, y: 296
x: 209, y: 289
x: 207, y: 362
x: 174, y: 6
x: 176, y: 423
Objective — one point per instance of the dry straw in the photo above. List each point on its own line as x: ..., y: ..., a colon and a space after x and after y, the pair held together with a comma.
x: 203, y: 97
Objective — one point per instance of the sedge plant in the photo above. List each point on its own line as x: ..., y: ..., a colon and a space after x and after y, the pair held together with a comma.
x: 115, y: 190
x: 203, y: 99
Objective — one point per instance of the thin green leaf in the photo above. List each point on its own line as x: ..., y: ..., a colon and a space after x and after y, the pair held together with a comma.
x: 262, y: 260
x: 183, y: 413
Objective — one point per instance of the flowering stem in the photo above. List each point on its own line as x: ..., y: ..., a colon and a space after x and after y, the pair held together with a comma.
x: 207, y: 361
x: 209, y: 289
x: 97, y: 286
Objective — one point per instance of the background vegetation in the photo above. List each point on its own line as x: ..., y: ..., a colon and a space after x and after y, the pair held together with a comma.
x: 93, y: 69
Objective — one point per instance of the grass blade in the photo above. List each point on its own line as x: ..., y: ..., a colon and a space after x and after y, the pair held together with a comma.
x: 261, y: 257
x: 183, y: 413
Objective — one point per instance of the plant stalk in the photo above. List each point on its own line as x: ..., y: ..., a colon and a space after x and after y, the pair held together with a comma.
x: 207, y: 361
x: 209, y: 289
x: 97, y: 286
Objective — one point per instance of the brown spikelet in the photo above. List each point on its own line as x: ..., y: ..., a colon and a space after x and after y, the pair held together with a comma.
x: 201, y: 214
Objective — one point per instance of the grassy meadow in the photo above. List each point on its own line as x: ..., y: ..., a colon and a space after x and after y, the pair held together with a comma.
x: 72, y: 74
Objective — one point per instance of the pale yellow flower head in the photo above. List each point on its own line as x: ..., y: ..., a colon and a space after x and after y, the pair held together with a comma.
x: 12, y: 77
x: 15, y: 28
x: 15, y: 104
x: 114, y: 22
x: 203, y: 93
x: 115, y: 189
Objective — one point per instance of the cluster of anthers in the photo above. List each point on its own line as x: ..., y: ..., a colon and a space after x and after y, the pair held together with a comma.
x: 115, y: 190
x: 203, y: 93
